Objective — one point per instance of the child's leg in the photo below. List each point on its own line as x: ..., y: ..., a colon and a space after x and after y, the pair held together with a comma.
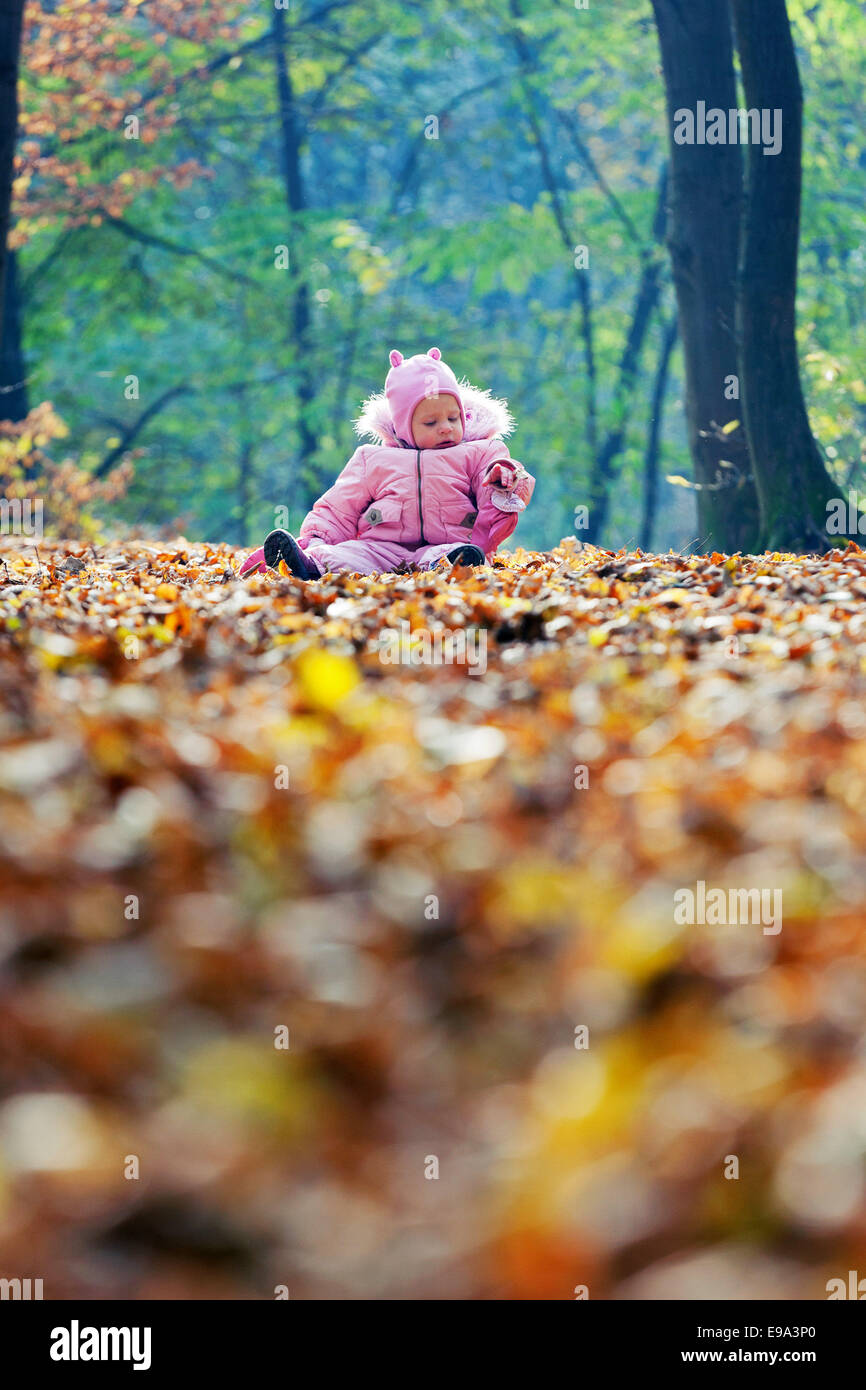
x: 428, y: 556
x: 361, y: 557
x: 280, y: 548
x: 254, y: 564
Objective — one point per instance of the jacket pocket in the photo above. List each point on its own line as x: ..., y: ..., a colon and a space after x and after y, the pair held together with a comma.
x: 457, y: 516
x: 387, y: 513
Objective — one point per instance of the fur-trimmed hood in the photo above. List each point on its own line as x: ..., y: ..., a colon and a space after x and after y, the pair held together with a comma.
x: 486, y: 417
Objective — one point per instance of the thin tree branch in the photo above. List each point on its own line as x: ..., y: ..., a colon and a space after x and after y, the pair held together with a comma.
x: 333, y: 77
x: 115, y: 454
x: 211, y: 66
x: 187, y: 388
x: 321, y: 13
x: 128, y: 229
x: 567, y: 118
x: 36, y: 270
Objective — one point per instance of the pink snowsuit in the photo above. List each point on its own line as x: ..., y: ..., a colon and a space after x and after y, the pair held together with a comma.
x: 394, y: 506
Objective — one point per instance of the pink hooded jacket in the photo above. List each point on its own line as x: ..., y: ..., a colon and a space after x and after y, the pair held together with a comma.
x: 392, y: 491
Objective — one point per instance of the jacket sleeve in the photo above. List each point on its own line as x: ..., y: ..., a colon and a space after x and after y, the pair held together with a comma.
x: 334, y: 517
x: 492, y: 526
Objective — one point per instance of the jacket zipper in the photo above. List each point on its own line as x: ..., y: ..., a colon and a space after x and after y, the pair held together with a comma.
x: 420, y: 512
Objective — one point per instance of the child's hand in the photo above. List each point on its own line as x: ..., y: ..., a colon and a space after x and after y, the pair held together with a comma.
x: 502, y: 475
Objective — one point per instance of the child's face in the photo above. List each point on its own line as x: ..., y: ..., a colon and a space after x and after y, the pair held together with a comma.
x: 436, y: 423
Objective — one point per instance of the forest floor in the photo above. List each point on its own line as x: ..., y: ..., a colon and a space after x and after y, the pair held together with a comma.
x: 370, y: 978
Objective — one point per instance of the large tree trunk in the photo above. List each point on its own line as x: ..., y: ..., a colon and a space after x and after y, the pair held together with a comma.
x: 793, y: 484
x: 14, y: 403
x: 10, y: 49
x: 703, y: 237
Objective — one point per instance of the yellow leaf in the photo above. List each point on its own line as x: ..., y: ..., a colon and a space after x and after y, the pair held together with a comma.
x: 179, y: 621
x: 326, y: 678
x: 241, y: 1080
x: 730, y: 427
x: 677, y: 597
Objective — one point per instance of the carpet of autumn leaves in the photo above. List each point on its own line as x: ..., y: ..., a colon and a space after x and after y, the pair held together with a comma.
x: 222, y: 814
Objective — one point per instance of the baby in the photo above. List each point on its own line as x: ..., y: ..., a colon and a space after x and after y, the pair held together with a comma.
x: 437, y: 481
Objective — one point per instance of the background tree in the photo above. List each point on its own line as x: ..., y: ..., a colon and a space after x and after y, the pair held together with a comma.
x: 703, y: 239
x: 10, y: 46
x: 735, y: 230
x: 793, y: 484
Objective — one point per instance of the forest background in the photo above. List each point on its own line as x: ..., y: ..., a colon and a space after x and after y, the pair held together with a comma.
x: 225, y: 215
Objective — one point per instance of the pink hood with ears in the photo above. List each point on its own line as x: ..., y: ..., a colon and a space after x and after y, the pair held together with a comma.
x: 412, y: 380
x: 485, y: 417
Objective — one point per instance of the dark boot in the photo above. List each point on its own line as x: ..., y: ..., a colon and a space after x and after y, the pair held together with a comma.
x: 465, y: 555
x: 279, y: 545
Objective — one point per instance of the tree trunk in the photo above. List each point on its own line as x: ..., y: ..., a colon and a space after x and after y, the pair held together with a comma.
x: 793, y: 484
x: 651, y: 458
x: 297, y: 202
x: 14, y: 403
x: 529, y: 66
x: 605, y: 469
x: 10, y: 50
x: 703, y: 238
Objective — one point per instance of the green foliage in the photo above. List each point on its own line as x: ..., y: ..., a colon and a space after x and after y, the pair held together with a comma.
x: 406, y: 241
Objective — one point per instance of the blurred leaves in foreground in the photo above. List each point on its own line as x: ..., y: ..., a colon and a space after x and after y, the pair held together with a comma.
x: 281, y: 923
